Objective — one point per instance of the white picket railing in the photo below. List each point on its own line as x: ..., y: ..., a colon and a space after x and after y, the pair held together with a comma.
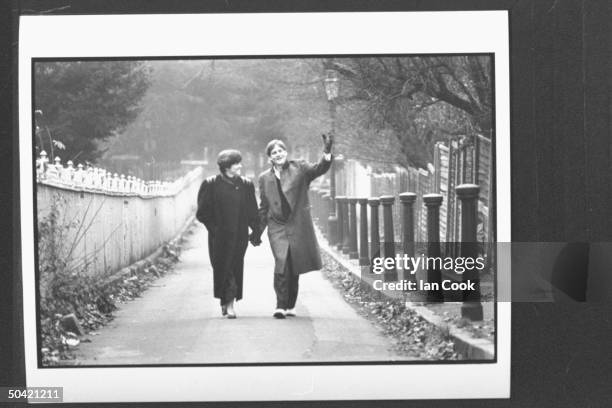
x: 110, y: 220
x: 95, y: 179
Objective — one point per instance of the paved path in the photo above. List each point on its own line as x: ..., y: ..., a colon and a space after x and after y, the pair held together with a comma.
x: 177, y: 321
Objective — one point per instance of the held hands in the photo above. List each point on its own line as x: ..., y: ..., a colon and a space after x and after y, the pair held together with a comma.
x: 328, y: 141
x: 254, y: 239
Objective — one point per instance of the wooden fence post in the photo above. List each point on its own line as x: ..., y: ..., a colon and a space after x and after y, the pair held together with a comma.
x: 434, y: 275
x: 332, y: 219
x: 325, y: 200
x: 316, y: 206
x: 374, y: 230
x: 476, y: 164
x: 340, y: 180
x: 408, y: 226
x: 321, y: 213
x: 340, y: 226
x: 364, y: 256
x: 353, y: 253
x: 389, y: 246
x: 468, y: 194
x: 343, y: 203
x: 313, y: 202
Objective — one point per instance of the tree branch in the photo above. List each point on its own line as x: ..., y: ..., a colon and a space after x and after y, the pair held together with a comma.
x: 421, y: 107
x: 462, y: 86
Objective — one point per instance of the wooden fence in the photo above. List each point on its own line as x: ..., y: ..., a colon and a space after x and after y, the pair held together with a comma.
x: 462, y: 160
x: 354, y: 226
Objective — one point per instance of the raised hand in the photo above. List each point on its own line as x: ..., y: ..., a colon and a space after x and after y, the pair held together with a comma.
x: 254, y: 239
x: 328, y: 141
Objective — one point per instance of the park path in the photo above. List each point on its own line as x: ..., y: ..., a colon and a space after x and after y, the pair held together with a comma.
x: 178, y: 321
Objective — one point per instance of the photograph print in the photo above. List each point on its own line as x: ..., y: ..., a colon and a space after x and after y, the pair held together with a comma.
x: 264, y: 210
x: 289, y: 214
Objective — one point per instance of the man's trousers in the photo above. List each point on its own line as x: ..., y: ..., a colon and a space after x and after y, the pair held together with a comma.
x: 286, y: 286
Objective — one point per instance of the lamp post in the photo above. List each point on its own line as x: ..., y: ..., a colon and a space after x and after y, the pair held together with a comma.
x: 332, y: 88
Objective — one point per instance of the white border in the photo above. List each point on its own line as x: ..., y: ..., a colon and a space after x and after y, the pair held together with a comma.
x: 268, y: 34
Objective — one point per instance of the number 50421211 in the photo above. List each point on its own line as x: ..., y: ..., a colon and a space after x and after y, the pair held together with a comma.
x: 32, y: 394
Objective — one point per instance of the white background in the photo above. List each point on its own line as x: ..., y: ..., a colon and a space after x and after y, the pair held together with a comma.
x: 268, y: 34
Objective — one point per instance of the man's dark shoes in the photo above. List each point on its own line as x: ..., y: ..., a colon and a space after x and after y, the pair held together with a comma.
x: 279, y: 314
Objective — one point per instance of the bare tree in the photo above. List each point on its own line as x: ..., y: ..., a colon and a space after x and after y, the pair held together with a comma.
x: 422, y: 99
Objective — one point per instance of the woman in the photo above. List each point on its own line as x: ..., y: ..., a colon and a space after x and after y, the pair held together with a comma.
x: 227, y: 207
x: 285, y: 210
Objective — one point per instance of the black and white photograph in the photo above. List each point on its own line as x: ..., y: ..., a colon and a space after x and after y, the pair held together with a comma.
x: 155, y: 201
x: 269, y: 208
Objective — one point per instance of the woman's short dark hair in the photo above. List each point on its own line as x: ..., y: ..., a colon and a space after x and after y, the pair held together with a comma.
x: 227, y: 158
x: 272, y: 144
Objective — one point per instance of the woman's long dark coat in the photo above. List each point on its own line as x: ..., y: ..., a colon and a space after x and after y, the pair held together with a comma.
x: 227, y: 209
x: 297, y: 233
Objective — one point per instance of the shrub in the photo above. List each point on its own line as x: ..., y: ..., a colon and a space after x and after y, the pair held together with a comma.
x: 64, y: 285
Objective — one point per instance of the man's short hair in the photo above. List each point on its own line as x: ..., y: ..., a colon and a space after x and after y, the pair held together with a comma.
x: 272, y: 144
x: 227, y: 158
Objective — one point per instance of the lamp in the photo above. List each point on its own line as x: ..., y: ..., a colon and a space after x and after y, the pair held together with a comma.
x: 332, y: 89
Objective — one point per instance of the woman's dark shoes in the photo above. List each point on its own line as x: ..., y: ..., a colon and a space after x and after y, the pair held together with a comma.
x: 279, y: 314
x: 223, y: 310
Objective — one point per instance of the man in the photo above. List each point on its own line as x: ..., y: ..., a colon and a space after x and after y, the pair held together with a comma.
x: 285, y: 210
x: 227, y: 207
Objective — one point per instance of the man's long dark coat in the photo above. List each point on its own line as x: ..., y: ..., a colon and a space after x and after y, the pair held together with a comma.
x: 297, y: 233
x: 227, y: 208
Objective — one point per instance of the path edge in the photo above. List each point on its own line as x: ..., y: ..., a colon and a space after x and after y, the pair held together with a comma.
x: 469, y: 347
x: 139, y: 266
